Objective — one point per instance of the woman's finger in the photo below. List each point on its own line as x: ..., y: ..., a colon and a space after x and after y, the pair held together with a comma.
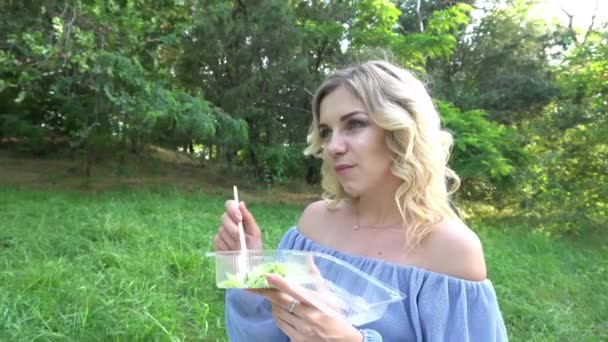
x: 279, y: 283
x: 288, y: 323
x: 328, y: 303
x: 230, y: 242
x: 280, y: 300
x: 219, y: 243
x: 230, y: 226
x: 274, y: 296
x: 232, y: 209
x: 262, y: 292
x: 249, y: 224
x: 294, y: 312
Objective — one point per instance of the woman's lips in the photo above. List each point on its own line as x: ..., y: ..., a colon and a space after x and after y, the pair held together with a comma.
x: 342, y: 169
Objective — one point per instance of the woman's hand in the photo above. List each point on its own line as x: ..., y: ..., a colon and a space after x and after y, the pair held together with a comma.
x: 303, y: 316
x: 227, y: 237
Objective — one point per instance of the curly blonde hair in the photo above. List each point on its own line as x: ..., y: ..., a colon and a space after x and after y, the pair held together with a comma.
x: 399, y: 103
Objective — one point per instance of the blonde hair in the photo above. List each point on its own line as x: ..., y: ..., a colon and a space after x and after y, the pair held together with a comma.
x: 399, y: 103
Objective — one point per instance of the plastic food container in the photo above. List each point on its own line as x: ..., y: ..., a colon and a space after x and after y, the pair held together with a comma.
x: 330, y: 284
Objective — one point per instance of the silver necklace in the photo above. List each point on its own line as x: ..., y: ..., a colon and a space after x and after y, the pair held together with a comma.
x: 358, y: 221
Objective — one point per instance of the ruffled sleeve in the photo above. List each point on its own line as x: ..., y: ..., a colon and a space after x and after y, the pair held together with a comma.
x: 452, y: 309
x: 248, y: 318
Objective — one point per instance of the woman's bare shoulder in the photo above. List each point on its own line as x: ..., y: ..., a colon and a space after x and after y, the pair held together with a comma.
x: 454, y: 249
x: 312, y: 215
x: 316, y: 216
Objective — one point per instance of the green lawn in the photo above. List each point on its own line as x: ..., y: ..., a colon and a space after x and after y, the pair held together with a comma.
x: 129, y: 265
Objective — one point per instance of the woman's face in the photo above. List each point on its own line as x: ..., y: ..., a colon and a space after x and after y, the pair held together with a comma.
x: 353, y: 145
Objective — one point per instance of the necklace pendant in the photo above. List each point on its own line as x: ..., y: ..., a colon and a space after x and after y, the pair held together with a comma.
x: 356, y: 227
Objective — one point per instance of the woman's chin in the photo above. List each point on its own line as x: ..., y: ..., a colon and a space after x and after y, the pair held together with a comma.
x: 352, y: 192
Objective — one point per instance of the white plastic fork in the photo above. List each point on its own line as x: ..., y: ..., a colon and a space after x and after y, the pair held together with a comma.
x: 242, y: 259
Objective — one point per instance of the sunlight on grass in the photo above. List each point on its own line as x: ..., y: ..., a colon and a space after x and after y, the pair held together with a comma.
x: 129, y: 265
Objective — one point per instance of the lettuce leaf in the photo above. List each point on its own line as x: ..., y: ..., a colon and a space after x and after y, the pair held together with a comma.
x: 256, y: 278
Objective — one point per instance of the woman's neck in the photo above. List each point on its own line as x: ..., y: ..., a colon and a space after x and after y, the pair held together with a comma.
x: 378, y: 208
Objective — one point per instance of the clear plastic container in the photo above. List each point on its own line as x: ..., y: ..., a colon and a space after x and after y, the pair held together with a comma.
x: 330, y: 284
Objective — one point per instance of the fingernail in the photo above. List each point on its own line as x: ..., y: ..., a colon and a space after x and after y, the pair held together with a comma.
x: 271, y: 278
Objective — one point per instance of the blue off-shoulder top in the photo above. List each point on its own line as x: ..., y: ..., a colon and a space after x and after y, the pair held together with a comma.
x: 438, y: 307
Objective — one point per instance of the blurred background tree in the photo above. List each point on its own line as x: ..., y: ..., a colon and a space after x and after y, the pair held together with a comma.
x: 230, y: 83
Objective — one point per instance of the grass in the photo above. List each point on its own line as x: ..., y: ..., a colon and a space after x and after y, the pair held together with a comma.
x: 128, y: 264
x: 117, y: 265
x: 550, y: 289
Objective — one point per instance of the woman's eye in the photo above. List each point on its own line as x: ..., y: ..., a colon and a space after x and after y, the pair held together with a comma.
x: 324, y: 133
x: 354, y: 124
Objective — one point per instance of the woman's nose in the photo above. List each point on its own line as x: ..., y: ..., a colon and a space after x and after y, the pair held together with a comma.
x: 335, y: 145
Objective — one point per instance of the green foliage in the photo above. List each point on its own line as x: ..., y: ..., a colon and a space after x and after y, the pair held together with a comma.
x: 34, y: 143
x: 583, y: 81
x: 439, y: 40
x: 484, y: 154
x: 548, y: 89
x: 143, y: 80
x: 232, y: 132
x: 566, y: 182
x: 566, y: 179
x: 412, y: 17
x: 374, y: 22
x: 92, y: 84
x: 263, y: 85
x: 234, y: 79
x: 279, y: 163
x: 478, y: 143
x: 376, y: 26
x: 501, y: 66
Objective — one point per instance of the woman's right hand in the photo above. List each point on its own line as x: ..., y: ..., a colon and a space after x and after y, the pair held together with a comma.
x: 227, y: 237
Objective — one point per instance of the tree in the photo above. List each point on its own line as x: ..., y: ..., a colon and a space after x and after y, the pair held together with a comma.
x: 568, y: 177
x: 501, y: 66
x: 485, y: 155
x: 87, y: 73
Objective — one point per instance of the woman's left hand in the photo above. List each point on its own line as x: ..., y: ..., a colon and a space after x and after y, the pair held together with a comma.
x: 305, y: 319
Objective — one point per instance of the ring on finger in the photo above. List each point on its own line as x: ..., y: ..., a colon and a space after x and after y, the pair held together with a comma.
x: 292, y: 305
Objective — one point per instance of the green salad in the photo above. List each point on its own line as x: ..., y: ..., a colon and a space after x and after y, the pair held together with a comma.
x: 254, y: 279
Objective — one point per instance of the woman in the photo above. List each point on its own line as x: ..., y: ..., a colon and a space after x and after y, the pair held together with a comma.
x: 386, y: 211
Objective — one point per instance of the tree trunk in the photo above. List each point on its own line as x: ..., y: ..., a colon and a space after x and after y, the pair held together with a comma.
x: 420, y: 23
